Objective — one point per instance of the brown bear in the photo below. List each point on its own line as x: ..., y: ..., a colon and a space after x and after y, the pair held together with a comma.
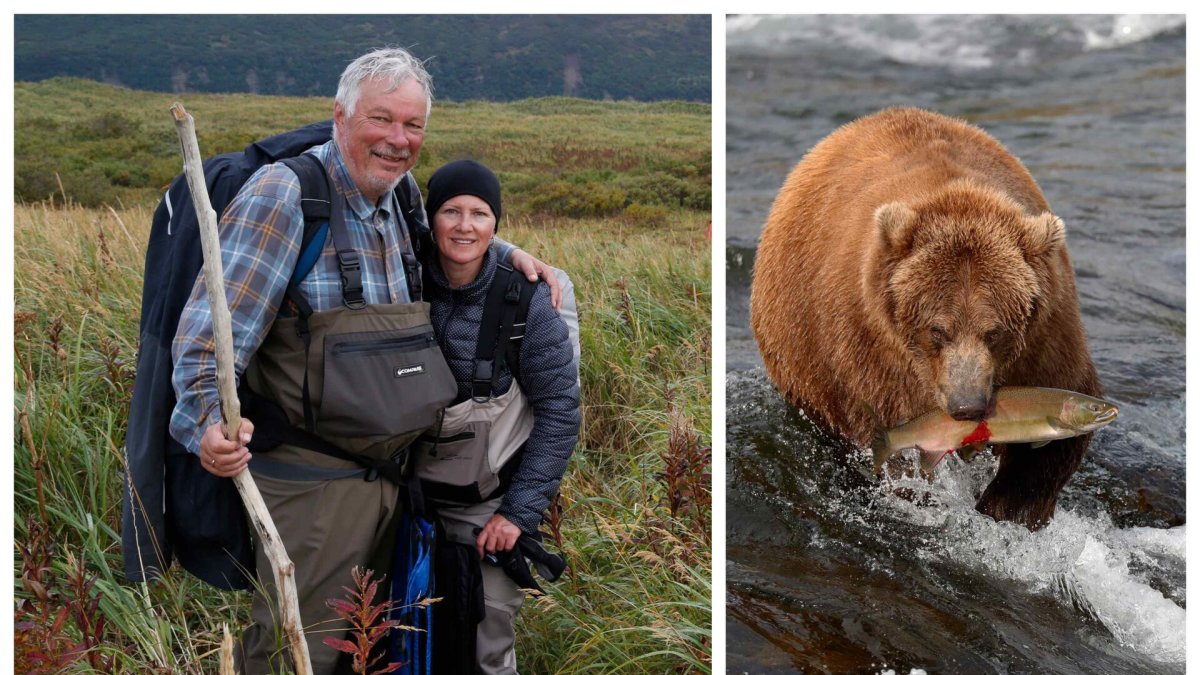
x: 910, y: 262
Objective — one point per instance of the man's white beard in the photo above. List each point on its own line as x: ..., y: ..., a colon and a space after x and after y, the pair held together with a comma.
x: 383, y: 186
x: 373, y: 182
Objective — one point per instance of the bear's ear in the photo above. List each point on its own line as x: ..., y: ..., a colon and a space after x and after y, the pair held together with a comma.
x: 1043, y: 235
x: 895, y: 224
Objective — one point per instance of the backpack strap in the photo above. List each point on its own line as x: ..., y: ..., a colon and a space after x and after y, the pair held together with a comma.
x: 517, y: 336
x: 499, y: 336
x: 315, y: 203
x: 413, y: 208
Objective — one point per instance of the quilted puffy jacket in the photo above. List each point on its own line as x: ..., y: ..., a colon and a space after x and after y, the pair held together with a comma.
x: 548, y: 374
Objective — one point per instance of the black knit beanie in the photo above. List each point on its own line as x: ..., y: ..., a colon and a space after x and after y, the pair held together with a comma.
x: 464, y: 177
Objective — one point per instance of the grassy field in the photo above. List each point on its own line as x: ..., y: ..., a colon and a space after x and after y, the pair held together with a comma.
x: 634, y: 515
x: 555, y: 156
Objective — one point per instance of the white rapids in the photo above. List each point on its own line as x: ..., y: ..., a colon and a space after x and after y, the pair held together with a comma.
x: 1083, y: 560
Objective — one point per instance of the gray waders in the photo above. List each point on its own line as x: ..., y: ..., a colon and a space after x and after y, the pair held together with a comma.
x: 376, y: 380
x: 464, y: 471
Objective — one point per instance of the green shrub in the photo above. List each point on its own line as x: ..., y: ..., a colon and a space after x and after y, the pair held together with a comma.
x: 667, y: 190
x: 34, y: 180
x: 646, y: 215
x: 124, y: 173
x: 562, y: 198
x: 108, y: 124
x: 45, y: 179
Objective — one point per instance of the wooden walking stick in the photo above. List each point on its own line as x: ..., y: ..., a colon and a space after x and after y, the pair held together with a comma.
x: 231, y: 408
x: 227, y: 667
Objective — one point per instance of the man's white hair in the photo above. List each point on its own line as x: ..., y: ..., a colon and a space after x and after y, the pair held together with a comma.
x: 393, y: 66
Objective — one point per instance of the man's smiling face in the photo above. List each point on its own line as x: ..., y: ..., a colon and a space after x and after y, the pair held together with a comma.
x: 380, y: 140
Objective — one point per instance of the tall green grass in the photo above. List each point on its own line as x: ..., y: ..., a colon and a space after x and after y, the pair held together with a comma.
x: 637, y: 597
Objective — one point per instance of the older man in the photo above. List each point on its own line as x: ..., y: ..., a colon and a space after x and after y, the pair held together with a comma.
x: 333, y: 366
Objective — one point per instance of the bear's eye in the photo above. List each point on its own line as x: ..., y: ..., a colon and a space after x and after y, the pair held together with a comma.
x: 993, y: 337
x: 939, y: 337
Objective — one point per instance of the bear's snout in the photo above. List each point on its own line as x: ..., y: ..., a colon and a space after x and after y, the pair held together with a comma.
x: 974, y: 408
x: 965, y: 387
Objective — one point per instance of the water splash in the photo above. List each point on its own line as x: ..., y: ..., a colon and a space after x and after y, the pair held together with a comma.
x: 1082, y: 560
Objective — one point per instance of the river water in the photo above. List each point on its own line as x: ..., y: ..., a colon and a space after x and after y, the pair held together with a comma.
x: 827, y: 573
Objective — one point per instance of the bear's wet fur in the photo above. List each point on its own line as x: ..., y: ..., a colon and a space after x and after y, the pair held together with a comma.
x: 910, y: 262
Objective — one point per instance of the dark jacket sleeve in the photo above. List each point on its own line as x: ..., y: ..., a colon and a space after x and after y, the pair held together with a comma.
x: 550, y: 380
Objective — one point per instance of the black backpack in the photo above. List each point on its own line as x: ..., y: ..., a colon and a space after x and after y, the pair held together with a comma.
x: 172, y: 506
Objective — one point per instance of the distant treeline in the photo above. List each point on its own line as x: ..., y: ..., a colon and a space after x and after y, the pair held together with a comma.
x: 495, y: 58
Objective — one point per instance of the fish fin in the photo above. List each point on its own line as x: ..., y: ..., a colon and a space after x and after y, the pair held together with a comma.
x: 931, y: 458
x: 1055, y: 424
x: 1039, y: 444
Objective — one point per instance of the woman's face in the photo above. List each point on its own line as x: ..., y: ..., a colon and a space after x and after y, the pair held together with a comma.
x: 463, y: 228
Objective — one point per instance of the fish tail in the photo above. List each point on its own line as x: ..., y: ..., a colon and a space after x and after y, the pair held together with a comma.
x: 881, y: 449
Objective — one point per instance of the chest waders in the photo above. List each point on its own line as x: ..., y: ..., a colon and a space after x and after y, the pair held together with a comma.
x: 337, y: 398
x: 466, y: 466
x: 466, y: 460
x: 476, y: 448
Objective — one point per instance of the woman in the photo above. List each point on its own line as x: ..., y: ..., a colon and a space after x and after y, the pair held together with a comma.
x: 507, y: 445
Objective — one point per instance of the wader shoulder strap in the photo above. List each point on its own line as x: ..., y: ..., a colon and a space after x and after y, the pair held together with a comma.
x: 349, y: 265
x: 323, y: 211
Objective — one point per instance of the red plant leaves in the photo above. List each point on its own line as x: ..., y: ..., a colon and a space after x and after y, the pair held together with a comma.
x: 342, y: 645
x: 366, y: 630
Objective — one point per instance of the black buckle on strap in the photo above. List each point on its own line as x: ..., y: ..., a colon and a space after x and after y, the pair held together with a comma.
x: 412, y: 274
x: 481, y: 382
x: 512, y: 294
x: 351, y: 271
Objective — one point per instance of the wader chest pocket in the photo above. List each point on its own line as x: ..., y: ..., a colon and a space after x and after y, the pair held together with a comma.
x: 383, y: 383
x: 457, y: 464
x: 476, y: 454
